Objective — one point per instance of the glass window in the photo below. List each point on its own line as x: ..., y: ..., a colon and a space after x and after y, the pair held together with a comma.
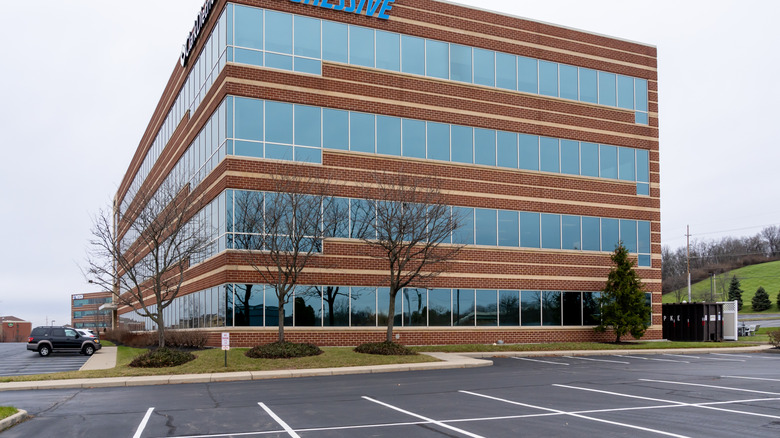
x: 628, y: 235
x: 361, y: 46
x: 551, y: 308
x: 607, y: 89
x: 644, y: 260
x: 572, y: 308
x: 272, y: 309
x: 248, y: 119
x: 438, y: 141
x: 278, y: 152
x: 506, y: 155
x: 570, y: 157
x: 591, y: 233
x: 412, y: 55
x: 335, y: 305
x: 465, y: 233
x: 529, y: 151
x: 527, y: 75
x: 548, y: 78
x: 625, y: 87
x: 531, y: 308
x: 610, y: 234
x: 283, y: 62
x: 463, y: 307
x: 440, y: 308
x: 279, y: 122
x: 278, y: 32
x: 644, y: 237
x: 413, y: 138
x: 361, y: 132
x: 591, y: 311
x: 335, y: 129
x: 484, y: 67
x: 485, y: 226
x: 306, y: 65
x: 641, y: 118
x: 362, y: 219
x: 551, y: 231
x: 626, y: 164
x: 589, y: 159
x: 335, y: 41
x: 643, y: 189
x: 506, y: 71
x: 548, y: 155
x: 388, y: 135
x: 308, y: 307
x: 529, y: 230
x: 570, y: 232
x: 307, y: 125
x: 640, y: 91
x: 485, y: 146
x: 508, y: 228
x: 388, y: 51
x: 608, y: 161
x: 642, y: 166
x: 462, y: 144
x: 487, y: 307
x: 249, y: 27
x: 589, y: 85
x: 415, y: 304
x: 508, y: 308
x: 307, y: 37
x: 337, y: 218
x: 436, y: 59
x: 568, y: 82
x: 460, y: 63
x: 363, y: 301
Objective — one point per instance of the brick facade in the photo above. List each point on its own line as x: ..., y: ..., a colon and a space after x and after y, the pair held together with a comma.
x: 355, y: 88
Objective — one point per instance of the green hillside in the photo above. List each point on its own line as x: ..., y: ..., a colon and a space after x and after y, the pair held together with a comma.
x: 750, y: 278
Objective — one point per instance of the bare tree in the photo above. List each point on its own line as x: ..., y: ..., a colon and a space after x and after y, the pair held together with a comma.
x: 772, y: 236
x: 141, y: 254
x: 282, y: 232
x: 409, y: 227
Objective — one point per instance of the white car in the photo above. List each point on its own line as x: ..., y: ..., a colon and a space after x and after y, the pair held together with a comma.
x: 86, y: 332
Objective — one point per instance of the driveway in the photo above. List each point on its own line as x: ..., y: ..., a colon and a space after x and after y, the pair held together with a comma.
x: 15, y: 360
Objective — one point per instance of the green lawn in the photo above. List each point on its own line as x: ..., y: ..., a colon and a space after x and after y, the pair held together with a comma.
x: 7, y: 411
x: 750, y: 278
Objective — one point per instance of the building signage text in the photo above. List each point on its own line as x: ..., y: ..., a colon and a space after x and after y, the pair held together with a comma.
x: 200, y: 22
x: 362, y: 7
x: 78, y: 297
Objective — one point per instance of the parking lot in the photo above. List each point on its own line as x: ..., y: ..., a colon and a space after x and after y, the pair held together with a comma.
x: 713, y: 395
x: 18, y: 361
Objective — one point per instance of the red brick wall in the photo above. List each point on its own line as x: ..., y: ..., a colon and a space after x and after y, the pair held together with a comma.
x: 18, y: 333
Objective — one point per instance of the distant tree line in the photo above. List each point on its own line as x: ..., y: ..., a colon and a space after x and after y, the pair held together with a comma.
x: 718, y: 257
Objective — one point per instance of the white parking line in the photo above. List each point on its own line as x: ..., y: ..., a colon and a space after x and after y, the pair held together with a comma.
x: 281, y: 422
x: 751, y: 378
x: 537, y: 360
x: 730, y: 355
x: 142, y: 426
x: 687, y: 356
x: 597, y: 360
x: 710, y: 386
x: 631, y: 426
x: 651, y: 358
x: 438, y: 423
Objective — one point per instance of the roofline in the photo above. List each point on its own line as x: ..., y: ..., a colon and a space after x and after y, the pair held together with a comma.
x: 544, y: 22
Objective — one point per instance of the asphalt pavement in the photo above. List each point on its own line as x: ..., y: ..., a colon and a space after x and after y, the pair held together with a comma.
x: 18, y: 361
x: 616, y: 395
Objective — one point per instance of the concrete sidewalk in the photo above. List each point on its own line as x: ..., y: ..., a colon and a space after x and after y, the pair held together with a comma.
x: 447, y: 361
x: 103, y: 359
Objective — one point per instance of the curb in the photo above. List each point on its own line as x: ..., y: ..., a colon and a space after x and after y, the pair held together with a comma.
x: 449, y: 361
x: 692, y: 351
x: 13, y: 420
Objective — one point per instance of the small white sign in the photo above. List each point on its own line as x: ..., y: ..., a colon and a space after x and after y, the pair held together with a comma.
x: 226, y: 341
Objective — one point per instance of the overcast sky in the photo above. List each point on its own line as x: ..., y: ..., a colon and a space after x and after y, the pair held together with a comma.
x: 80, y: 79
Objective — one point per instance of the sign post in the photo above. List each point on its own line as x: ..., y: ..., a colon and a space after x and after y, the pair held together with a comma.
x: 226, y: 345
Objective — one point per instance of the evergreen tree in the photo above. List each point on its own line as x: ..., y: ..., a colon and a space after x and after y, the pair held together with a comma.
x: 735, y: 293
x: 623, y: 306
x: 761, y: 300
x: 778, y: 301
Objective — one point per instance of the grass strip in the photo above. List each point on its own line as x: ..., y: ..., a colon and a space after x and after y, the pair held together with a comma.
x: 7, y: 411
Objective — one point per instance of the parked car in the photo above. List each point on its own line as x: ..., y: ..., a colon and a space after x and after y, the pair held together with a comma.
x: 87, y: 332
x: 48, y: 339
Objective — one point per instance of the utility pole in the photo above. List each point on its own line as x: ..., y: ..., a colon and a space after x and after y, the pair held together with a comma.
x: 712, y: 287
x: 688, y: 258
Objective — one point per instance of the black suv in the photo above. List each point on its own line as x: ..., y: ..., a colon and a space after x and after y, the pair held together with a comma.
x: 45, y: 340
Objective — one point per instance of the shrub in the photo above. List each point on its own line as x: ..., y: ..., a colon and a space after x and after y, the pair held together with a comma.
x: 761, y: 300
x: 194, y: 339
x: 283, y: 350
x: 774, y: 338
x: 384, y: 348
x: 162, y: 357
x: 778, y: 301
